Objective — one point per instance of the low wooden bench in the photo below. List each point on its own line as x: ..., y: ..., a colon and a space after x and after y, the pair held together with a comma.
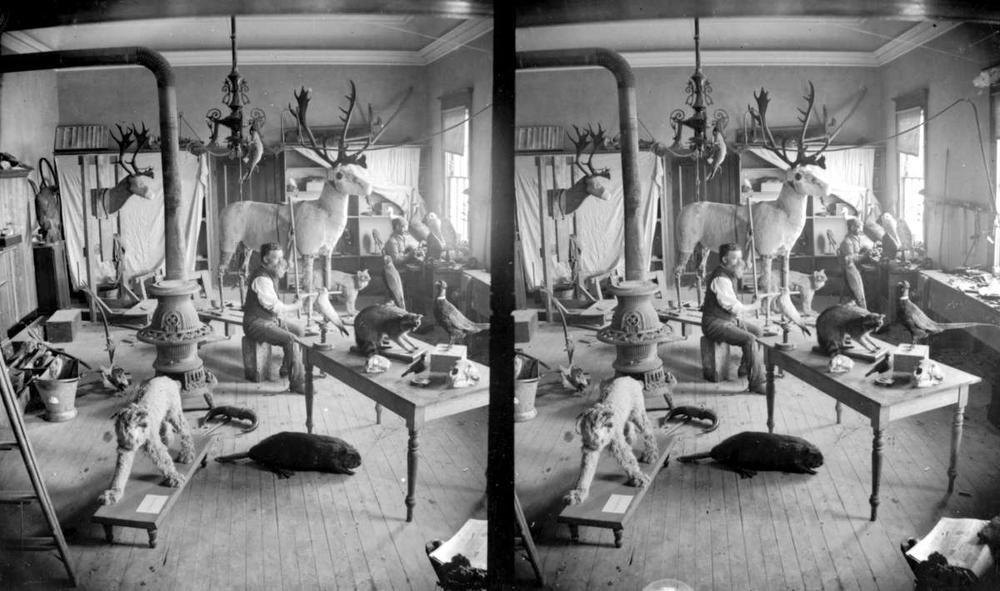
x: 256, y: 360
x: 612, y: 502
x: 714, y: 360
x: 146, y: 502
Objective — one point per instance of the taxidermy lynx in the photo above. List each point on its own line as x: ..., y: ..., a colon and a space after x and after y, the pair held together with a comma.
x: 349, y: 285
x: 807, y: 284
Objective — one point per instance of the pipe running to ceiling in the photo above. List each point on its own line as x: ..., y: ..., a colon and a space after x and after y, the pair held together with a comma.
x: 635, y: 264
x: 169, y: 151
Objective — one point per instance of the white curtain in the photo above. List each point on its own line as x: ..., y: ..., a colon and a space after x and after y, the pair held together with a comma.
x: 394, y: 172
x: 141, y: 220
x: 849, y: 172
x: 599, y: 224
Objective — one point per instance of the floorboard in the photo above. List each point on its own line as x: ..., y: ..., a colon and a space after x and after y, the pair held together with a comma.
x: 707, y: 527
x: 237, y: 526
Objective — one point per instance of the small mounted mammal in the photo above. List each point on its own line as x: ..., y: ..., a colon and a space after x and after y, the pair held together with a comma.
x: 349, y: 285
x: 144, y: 424
x: 233, y: 412
x: 747, y: 452
x: 614, y: 422
x: 284, y: 452
x: 374, y: 322
x: 844, y: 319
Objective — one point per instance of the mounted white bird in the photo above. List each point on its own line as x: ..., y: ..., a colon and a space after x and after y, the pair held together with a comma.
x: 320, y: 223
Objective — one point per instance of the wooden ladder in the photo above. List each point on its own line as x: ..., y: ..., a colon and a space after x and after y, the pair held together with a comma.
x: 39, y: 493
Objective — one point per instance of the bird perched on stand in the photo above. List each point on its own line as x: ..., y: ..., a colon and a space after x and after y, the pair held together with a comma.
x: 449, y: 318
x: 328, y: 312
x: 393, y: 282
x: 718, y: 152
x: 917, y: 323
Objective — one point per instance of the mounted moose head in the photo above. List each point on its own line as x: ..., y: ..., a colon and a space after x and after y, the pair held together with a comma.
x: 593, y: 182
x: 136, y: 182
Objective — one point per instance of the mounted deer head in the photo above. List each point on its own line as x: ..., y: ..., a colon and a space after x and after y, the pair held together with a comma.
x: 593, y: 180
x: 136, y: 182
x: 347, y: 169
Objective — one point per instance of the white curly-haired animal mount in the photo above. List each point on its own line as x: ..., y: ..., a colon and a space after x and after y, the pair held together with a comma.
x: 614, y: 422
x: 145, y: 424
x: 319, y: 223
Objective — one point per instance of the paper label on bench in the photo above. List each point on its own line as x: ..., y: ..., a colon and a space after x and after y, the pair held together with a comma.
x: 617, y: 504
x: 152, y: 504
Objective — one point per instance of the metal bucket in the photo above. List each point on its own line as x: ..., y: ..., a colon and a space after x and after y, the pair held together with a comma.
x: 59, y: 395
x: 525, y: 389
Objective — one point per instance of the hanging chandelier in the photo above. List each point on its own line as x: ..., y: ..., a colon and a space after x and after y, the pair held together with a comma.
x: 703, y: 144
x: 235, y: 95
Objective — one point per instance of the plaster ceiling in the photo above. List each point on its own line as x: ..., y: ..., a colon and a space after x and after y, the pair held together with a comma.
x: 836, y: 41
x: 317, y: 38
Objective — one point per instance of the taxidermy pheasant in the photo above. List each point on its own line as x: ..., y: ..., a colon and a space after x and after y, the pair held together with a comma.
x: 449, y: 318
x: 915, y: 321
x: 393, y: 282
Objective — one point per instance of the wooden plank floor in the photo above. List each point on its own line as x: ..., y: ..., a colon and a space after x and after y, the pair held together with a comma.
x: 707, y: 527
x: 237, y: 526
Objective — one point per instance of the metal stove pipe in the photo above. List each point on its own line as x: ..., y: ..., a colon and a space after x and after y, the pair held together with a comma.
x: 635, y: 263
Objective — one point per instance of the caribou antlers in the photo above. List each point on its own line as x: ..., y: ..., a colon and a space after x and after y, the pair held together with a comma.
x: 124, y: 140
x: 343, y: 155
x: 830, y: 128
x: 594, y: 139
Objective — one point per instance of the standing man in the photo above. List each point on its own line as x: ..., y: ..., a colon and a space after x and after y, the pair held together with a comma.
x: 853, y: 251
x: 263, y: 310
x: 721, y: 315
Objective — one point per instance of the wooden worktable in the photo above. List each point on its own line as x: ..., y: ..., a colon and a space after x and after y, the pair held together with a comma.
x: 415, y: 404
x: 880, y: 404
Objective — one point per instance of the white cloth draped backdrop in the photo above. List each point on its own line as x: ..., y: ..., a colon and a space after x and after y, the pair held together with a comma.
x: 850, y: 172
x: 393, y: 172
x: 599, y: 224
x: 142, y: 220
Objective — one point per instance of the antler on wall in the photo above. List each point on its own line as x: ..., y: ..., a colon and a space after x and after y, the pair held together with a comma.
x: 124, y: 139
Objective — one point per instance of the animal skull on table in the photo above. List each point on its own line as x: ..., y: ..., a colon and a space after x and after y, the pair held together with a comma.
x: 463, y: 374
x: 927, y: 373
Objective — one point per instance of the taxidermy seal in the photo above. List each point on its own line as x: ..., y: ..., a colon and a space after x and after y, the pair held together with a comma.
x: 284, y: 452
x: 747, y: 452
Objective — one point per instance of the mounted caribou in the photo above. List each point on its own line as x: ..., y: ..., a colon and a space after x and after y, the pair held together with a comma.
x: 319, y: 223
x: 592, y: 183
x: 135, y: 182
x: 776, y: 225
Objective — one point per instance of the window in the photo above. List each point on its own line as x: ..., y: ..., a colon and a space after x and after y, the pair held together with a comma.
x: 455, y: 143
x: 995, y: 124
x: 910, y: 161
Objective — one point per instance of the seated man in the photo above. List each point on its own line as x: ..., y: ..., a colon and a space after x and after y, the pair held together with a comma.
x: 721, y: 311
x: 401, y: 245
x: 262, y: 313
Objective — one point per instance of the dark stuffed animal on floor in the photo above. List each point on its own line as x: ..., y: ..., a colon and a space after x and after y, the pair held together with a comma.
x: 916, y: 322
x: 844, y: 319
x: 747, y: 452
x: 284, y: 452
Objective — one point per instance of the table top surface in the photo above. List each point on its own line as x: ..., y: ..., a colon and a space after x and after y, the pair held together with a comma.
x: 349, y: 368
x: 812, y: 367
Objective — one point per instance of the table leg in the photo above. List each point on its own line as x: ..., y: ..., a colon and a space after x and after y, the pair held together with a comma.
x: 109, y: 533
x: 839, y: 408
x: 309, y: 391
x: 152, y: 538
x: 770, y: 393
x: 411, y: 475
x: 876, y: 470
x: 956, y: 444
x: 378, y: 414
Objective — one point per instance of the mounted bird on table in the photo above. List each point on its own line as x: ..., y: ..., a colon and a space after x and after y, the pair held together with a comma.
x: 450, y: 319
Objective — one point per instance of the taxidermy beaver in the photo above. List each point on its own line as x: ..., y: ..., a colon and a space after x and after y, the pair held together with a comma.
x: 840, y: 320
x: 747, y: 452
x: 284, y: 452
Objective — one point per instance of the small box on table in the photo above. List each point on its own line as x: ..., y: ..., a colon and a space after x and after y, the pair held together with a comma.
x: 905, y: 357
x: 63, y: 325
x: 444, y: 357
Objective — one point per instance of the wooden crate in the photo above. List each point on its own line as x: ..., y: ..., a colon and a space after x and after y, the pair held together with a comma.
x: 63, y: 325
